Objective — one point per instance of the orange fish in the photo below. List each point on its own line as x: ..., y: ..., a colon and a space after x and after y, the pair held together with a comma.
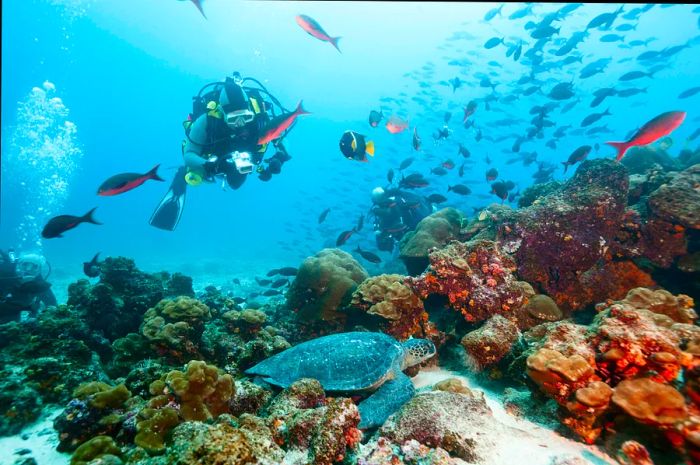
x: 396, y: 125
x: 313, y: 28
x: 661, y: 126
x: 276, y: 127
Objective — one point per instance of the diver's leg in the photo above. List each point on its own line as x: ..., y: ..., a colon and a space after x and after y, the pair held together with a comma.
x: 168, y: 212
x: 390, y: 396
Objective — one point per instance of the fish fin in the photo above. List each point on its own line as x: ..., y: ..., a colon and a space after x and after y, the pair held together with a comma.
x: 198, y: 4
x: 94, y: 259
x: 334, y: 41
x: 300, y: 109
x: 566, y: 166
x: 369, y: 148
x: 153, y: 174
x: 621, y: 148
x: 87, y: 218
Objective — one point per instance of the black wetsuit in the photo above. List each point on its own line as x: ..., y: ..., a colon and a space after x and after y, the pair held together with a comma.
x: 397, y: 213
x: 16, y: 296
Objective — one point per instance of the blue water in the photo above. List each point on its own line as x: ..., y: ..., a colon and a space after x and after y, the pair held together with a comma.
x: 126, y: 70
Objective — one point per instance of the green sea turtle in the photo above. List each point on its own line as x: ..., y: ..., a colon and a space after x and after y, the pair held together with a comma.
x: 355, y: 362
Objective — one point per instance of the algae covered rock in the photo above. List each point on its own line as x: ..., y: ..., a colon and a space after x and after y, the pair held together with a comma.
x: 323, y: 284
x: 487, y: 345
x: 174, y: 327
x: 679, y: 201
x: 392, y: 305
x: 434, y: 230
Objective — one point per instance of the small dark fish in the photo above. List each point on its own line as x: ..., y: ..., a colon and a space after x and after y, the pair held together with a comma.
x: 262, y: 282
x: 57, y: 225
x: 272, y: 272
x: 447, y: 117
x: 491, y: 174
x: 253, y: 295
x: 279, y: 283
x: 500, y: 188
x: 487, y: 160
x: 479, y: 135
x: 343, y: 237
x: 456, y: 83
x: 562, y: 91
x: 689, y: 93
x: 492, y: 13
x: 464, y: 151
x: 369, y: 256
x: 469, y: 110
x: 92, y: 268
x: 437, y: 198
x: 360, y: 223
x: 592, y: 118
x: 390, y: 175
x: 239, y: 300
x: 439, y: 171
x: 124, y: 182
x: 375, y: 117
x: 578, y: 155
x: 631, y: 92
x: 413, y: 181
x: 460, y: 189
x: 513, y: 195
x: 443, y: 133
x: 634, y: 75
x: 416, y: 140
x: 448, y: 164
x: 406, y: 163
x: 323, y: 215
x: 271, y: 292
x: 493, y: 42
x: 612, y: 38
x: 287, y: 271
x: 236, y: 281
x: 461, y: 170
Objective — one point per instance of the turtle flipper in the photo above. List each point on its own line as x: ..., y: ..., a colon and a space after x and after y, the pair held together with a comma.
x: 390, y: 396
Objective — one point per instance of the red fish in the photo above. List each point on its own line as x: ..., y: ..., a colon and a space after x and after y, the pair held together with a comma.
x: 120, y: 183
x: 396, y: 125
x: 313, y: 28
x: 276, y: 127
x: 343, y: 237
x: 661, y: 126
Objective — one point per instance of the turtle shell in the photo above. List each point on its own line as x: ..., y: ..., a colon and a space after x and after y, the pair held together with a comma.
x: 340, y: 362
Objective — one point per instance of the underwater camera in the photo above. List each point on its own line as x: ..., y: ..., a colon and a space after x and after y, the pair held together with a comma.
x: 242, y: 161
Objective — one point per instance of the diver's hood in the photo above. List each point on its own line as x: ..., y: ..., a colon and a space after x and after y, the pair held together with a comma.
x: 31, y: 266
x: 377, y: 194
x: 233, y: 97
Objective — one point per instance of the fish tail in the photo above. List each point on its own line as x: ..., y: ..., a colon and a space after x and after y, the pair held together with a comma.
x: 153, y: 174
x: 449, y: 188
x: 94, y: 259
x: 87, y: 218
x: 369, y: 148
x: 334, y: 42
x: 566, y: 166
x: 300, y: 109
x: 621, y: 148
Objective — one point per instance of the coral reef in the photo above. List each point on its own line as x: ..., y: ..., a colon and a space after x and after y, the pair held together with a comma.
x: 623, y: 365
x: 391, y: 305
x: 323, y: 284
x: 487, y: 345
x: 435, y: 230
x: 174, y: 328
x: 476, y: 278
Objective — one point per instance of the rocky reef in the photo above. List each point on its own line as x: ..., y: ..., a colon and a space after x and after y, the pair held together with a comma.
x: 579, y: 306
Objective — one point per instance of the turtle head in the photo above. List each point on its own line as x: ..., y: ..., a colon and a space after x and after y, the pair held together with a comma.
x: 417, y: 351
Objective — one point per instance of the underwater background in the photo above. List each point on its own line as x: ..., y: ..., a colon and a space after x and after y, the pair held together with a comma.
x: 126, y: 71
x: 558, y: 315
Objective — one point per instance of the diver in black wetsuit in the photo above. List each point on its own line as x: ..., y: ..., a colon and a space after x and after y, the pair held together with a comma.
x: 395, y: 213
x: 23, y: 285
x: 221, y: 141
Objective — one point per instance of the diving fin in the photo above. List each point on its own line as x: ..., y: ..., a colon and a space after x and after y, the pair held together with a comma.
x: 168, y: 212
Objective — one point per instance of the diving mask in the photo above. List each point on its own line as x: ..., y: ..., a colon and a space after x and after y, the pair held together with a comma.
x: 30, y: 267
x: 238, y: 118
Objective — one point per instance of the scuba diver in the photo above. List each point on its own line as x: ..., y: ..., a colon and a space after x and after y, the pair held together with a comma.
x: 23, y: 285
x: 395, y: 213
x: 226, y: 137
